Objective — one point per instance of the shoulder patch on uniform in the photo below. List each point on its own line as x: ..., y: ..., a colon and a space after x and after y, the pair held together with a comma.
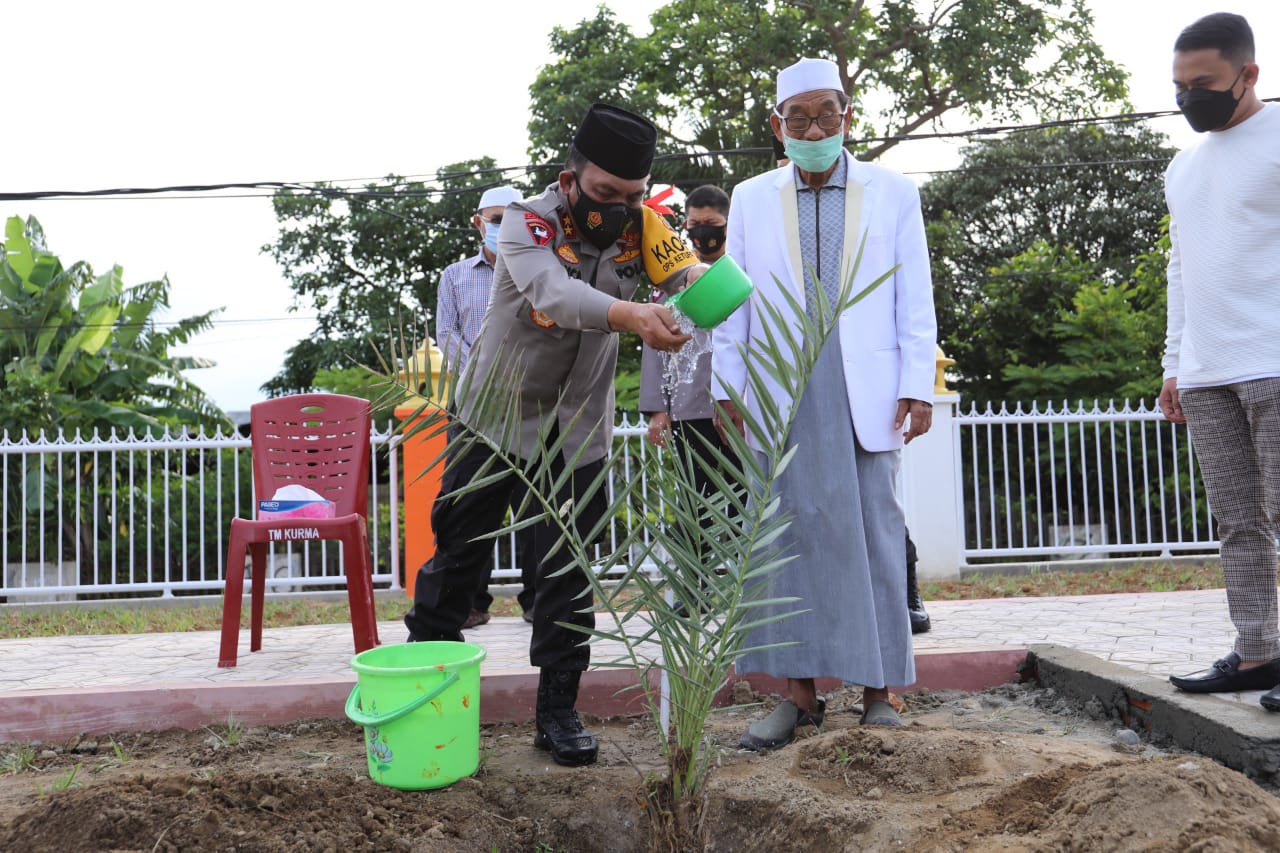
x: 541, y: 320
x: 626, y: 255
x: 538, y: 228
x: 566, y: 253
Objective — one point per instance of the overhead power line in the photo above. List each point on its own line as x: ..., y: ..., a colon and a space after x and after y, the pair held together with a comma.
x: 161, y: 324
x: 502, y: 174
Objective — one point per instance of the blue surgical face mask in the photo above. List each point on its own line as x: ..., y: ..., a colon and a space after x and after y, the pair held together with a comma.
x: 491, y: 236
x: 814, y: 155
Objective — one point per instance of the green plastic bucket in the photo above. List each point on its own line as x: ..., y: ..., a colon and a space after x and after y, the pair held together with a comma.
x: 419, y: 704
x: 715, y: 295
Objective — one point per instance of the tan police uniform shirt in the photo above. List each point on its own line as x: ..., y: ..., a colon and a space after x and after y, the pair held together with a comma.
x: 547, y: 327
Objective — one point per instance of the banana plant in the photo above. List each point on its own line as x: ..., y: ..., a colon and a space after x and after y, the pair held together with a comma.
x: 83, y: 354
x: 81, y: 351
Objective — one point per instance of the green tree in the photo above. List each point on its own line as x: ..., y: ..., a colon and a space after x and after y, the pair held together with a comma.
x: 82, y: 352
x: 369, y: 261
x: 1102, y: 343
x: 1021, y: 224
x: 1108, y: 342
x: 705, y: 73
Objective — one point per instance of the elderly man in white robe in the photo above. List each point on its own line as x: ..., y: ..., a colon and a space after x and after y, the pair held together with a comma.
x: 800, y: 227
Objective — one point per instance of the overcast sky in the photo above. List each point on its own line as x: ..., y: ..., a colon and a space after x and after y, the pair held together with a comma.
x: 145, y: 94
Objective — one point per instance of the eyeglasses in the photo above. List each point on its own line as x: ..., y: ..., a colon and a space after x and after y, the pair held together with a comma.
x: 799, y: 124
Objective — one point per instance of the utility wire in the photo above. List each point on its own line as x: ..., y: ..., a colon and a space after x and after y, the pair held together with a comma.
x: 330, y: 189
x: 158, y: 324
x: 371, y: 193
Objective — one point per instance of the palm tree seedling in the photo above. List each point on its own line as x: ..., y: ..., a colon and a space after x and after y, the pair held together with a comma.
x: 713, y: 552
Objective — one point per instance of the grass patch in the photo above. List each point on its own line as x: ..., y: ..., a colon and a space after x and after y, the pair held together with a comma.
x: 229, y: 735
x: 19, y: 622
x: 62, y: 783
x: 1150, y: 577
x: 67, y: 622
x: 21, y: 758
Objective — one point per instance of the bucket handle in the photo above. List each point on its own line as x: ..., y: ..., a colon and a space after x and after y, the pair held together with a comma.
x: 359, y: 717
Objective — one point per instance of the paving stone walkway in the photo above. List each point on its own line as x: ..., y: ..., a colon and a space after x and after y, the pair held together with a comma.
x: 1156, y: 633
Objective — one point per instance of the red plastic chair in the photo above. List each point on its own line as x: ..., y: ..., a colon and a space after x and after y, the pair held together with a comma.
x: 320, y: 441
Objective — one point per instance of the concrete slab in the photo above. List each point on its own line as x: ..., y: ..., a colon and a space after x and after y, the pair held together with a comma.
x: 1238, y: 733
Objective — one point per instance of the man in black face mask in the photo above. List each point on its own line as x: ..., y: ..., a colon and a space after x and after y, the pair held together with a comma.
x: 706, y: 218
x: 675, y: 414
x: 568, y: 264
x: 1222, y: 350
x: 687, y: 406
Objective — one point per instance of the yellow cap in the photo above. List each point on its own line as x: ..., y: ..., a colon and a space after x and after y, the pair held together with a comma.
x: 665, y: 254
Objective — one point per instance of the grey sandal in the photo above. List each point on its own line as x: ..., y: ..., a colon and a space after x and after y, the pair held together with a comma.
x: 779, y: 728
x: 880, y: 713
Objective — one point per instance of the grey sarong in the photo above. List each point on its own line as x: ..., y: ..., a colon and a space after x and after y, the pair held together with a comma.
x: 848, y: 534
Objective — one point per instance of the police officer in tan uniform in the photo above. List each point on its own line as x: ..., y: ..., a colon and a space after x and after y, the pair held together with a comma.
x: 569, y: 261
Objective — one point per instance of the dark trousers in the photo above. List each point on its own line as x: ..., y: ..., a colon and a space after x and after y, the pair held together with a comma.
x: 528, y: 557
x: 527, y: 554
x: 687, y: 433
x: 447, y: 583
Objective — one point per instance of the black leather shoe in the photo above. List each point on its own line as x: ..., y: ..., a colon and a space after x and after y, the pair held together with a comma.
x: 561, y: 733
x: 1226, y: 676
x: 1271, y: 699
x: 920, y: 623
x: 559, y: 730
x: 475, y: 619
x: 915, y: 604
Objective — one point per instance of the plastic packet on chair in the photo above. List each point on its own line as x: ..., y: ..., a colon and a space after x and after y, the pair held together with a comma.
x: 294, y: 501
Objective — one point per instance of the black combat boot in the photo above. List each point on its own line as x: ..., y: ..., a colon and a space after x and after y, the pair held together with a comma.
x: 915, y: 604
x: 559, y: 728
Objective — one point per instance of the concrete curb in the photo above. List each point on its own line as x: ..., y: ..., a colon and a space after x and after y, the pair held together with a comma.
x: 1243, y: 737
x: 50, y: 714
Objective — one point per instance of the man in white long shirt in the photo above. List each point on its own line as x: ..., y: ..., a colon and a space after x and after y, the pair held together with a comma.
x: 798, y: 228
x: 1222, y: 352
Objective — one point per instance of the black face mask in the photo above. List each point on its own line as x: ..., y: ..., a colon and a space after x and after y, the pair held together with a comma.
x: 601, y: 224
x: 707, y: 239
x: 1209, y: 109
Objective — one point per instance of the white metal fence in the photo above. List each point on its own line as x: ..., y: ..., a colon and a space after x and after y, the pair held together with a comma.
x: 91, y: 516
x: 1075, y: 482
x: 141, y: 516
x: 96, y: 516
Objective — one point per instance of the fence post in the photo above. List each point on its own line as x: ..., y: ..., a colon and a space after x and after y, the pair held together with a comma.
x: 931, y: 491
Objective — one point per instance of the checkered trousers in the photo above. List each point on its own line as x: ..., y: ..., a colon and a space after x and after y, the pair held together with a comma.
x: 1235, y: 431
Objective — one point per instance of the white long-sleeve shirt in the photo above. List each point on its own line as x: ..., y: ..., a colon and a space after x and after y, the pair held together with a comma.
x: 1224, y: 267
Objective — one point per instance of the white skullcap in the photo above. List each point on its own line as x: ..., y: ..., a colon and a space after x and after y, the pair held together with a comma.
x: 808, y: 75
x: 499, y: 197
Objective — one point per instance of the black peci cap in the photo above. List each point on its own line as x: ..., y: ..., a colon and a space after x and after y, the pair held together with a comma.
x: 620, y: 142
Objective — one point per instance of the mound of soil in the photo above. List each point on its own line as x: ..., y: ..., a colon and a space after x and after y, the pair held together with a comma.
x: 1012, y: 769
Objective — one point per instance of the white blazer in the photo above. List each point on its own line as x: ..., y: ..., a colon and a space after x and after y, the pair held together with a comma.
x: 888, y: 339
